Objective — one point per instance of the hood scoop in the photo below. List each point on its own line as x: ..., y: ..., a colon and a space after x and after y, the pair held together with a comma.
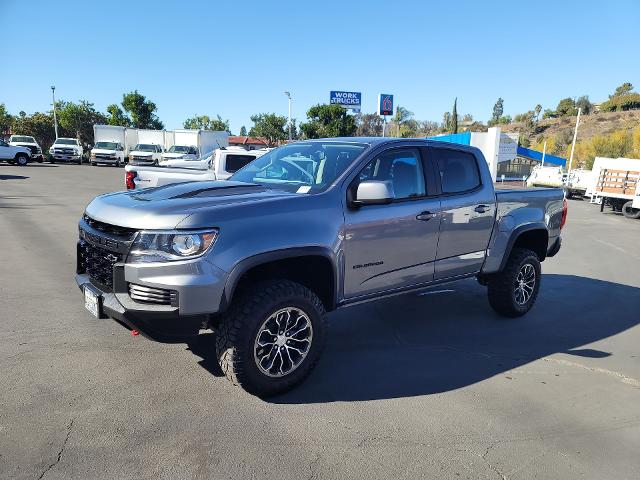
x: 187, y: 190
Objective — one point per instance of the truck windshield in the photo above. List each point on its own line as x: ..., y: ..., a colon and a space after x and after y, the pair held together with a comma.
x: 107, y: 145
x: 178, y: 149
x: 143, y: 147
x: 65, y: 141
x: 17, y: 138
x: 302, y: 167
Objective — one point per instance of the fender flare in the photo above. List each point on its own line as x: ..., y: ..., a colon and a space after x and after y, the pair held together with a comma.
x: 243, y: 266
x: 516, y: 233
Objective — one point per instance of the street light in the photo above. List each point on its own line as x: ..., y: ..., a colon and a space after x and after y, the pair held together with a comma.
x: 288, y: 94
x: 55, y: 117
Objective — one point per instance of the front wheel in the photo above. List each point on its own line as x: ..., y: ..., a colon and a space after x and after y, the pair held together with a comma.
x: 272, y: 337
x: 630, y: 212
x: 22, y: 160
x: 513, y: 291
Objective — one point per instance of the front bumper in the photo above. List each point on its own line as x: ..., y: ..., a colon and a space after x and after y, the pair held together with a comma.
x: 66, y: 158
x: 198, y: 287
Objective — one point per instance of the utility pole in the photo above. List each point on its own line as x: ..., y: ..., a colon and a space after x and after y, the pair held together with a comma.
x: 55, y: 117
x: 573, y: 145
x: 288, y: 94
x: 544, y: 152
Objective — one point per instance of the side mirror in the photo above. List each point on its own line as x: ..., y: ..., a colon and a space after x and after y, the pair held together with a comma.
x: 374, y: 192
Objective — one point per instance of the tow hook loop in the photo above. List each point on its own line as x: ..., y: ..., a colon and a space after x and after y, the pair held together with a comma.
x: 135, y: 333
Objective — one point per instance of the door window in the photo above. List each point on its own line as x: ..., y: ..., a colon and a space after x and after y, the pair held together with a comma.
x: 458, y: 170
x: 403, y: 168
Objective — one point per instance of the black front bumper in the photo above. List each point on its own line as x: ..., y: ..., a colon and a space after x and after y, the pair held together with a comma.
x: 158, y: 322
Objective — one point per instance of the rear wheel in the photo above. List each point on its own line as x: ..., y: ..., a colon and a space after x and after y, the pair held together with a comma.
x: 513, y: 291
x: 272, y: 337
x: 22, y: 159
x: 630, y: 212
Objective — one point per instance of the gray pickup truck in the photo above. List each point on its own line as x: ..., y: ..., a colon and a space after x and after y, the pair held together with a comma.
x: 303, y: 230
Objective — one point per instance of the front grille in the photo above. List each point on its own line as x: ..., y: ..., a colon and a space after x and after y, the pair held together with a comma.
x: 97, y: 262
x: 160, y: 296
x: 106, y: 156
x: 64, y: 151
x: 124, y: 232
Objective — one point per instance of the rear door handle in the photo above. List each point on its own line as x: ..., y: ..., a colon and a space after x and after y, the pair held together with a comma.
x: 482, y: 208
x: 425, y: 216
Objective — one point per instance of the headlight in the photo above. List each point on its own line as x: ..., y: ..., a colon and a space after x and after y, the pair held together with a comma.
x: 169, y: 246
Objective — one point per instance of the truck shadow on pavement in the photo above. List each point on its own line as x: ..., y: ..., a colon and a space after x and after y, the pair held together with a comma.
x: 419, y: 345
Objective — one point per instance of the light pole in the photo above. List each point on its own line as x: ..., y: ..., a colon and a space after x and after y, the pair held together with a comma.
x: 55, y: 117
x: 573, y: 144
x: 288, y: 94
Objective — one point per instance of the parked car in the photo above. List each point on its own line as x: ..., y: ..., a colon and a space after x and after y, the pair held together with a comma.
x: 14, y: 154
x: 219, y: 165
x: 546, y: 176
x: 179, y: 152
x: 112, y: 144
x: 145, y: 154
x: 28, y: 142
x: 66, y: 150
x: 262, y: 257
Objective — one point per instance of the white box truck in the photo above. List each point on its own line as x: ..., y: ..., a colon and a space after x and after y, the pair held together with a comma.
x: 112, y: 144
x: 193, y: 144
x: 150, y: 146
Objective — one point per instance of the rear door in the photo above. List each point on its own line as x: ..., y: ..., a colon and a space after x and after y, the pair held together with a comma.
x: 393, y: 246
x: 468, y: 212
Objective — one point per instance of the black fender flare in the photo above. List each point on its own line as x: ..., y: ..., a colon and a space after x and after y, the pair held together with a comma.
x: 243, y: 266
x: 516, y: 233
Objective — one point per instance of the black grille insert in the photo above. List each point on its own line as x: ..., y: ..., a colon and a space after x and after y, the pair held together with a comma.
x: 97, y: 262
x: 124, y: 232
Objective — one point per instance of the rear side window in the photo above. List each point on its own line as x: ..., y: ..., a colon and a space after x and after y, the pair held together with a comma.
x: 236, y: 162
x: 458, y: 170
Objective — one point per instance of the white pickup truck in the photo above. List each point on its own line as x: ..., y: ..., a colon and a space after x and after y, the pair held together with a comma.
x: 217, y: 165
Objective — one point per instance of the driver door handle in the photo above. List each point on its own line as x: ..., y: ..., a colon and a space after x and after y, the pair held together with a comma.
x: 481, y: 208
x: 425, y: 216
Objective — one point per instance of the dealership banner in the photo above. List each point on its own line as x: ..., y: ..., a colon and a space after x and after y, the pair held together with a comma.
x: 350, y: 100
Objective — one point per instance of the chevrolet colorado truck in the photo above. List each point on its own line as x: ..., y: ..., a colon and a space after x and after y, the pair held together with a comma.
x: 305, y: 229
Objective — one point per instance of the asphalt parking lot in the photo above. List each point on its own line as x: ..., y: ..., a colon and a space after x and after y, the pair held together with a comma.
x: 428, y: 386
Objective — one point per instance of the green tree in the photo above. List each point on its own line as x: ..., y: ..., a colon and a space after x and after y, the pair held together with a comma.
x: 566, y: 107
x: 548, y: 113
x: 6, y: 119
x: 205, y: 123
x: 38, y: 125
x: 537, y: 111
x: 498, y: 110
x: 584, y: 104
x: 328, y: 121
x: 624, y: 89
x: 78, y: 119
x: 454, y: 117
x: 117, y: 116
x: 141, y: 111
x: 271, y: 127
x: 368, y: 125
x: 400, y: 120
x: 630, y: 101
x: 446, y: 122
x: 243, y: 131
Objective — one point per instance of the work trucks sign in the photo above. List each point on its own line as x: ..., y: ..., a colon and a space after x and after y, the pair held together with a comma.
x: 350, y: 100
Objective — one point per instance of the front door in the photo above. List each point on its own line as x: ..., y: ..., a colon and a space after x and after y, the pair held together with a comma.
x: 392, y: 246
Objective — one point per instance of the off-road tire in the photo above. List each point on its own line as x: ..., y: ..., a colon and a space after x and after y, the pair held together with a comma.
x: 237, y: 331
x: 630, y: 212
x: 22, y: 160
x: 501, y: 286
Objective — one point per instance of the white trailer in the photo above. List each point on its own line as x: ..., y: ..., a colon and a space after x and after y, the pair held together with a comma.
x: 616, y: 182
x: 154, y: 137
x: 193, y: 144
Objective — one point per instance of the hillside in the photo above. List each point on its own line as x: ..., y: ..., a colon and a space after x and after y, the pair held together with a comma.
x: 603, y: 123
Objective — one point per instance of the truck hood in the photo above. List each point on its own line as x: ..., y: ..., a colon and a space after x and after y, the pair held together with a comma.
x: 23, y: 144
x: 139, y: 153
x: 167, y: 206
x: 103, y: 150
x: 170, y: 155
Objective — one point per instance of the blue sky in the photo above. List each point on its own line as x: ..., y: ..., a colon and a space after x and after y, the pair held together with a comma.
x: 237, y: 58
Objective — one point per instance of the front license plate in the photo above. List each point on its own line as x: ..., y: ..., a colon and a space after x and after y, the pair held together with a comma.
x: 92, y: 302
